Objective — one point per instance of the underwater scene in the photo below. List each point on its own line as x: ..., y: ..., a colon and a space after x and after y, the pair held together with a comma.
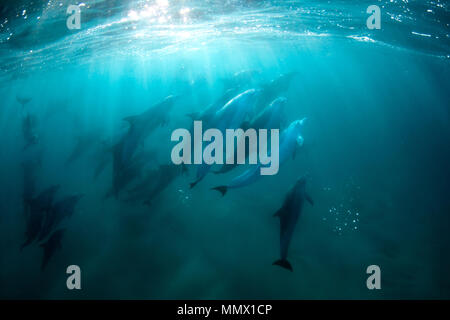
x: 116, y: 121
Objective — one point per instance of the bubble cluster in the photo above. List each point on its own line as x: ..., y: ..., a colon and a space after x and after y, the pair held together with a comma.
x: 343, y: 219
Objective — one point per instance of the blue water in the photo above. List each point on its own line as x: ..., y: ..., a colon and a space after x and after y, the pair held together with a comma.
x: 376, y: 151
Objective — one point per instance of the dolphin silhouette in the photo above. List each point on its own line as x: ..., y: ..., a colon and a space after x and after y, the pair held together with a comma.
x: 289, y: 213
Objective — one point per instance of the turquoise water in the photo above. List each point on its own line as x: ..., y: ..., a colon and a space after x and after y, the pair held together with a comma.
x: 376, y: 151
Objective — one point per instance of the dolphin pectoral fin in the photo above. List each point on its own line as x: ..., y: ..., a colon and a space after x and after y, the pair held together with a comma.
x: 278, y: 213
x: 222, y: 189
x: 309, y: 199
x: 284, y: 264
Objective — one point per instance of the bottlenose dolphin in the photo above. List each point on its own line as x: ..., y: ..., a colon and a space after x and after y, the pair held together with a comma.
x: 23, y: 100
x: 155, y: 182
x: 207, y: 114
x: 129, y: 172
x: 50, y: 246
x: 29, y: 123
x: 241, y: 78
x: 230, y: 116
x: 140, y: 128
x: 272, y: 117
x: 38, y: 207
x: 59, y: 211
x: 290, y: 140
x: 274, y: 88
x: 289, y: 213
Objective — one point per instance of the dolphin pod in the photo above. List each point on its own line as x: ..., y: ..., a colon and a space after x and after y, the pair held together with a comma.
x: 139, y: 177
x: 230, y: 116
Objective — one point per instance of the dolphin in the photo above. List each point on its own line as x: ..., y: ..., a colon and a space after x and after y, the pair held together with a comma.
x: 155, y: 182
x: 272, y: 117
x: 23, y: 100
x: 61, y: 210
x: 39, y: 206
x: 275, y: 87
x: 51, y: 245
x: 290, y: 140
x: 289, y: 213
x: 206, y: 115
x: 241, y: 78
x: 140, y: 127
x: 230, y: 116
x: 29, y: 123
x: 124, y: 175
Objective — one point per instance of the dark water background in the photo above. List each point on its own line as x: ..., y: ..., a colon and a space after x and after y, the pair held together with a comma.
x: 377, y: 148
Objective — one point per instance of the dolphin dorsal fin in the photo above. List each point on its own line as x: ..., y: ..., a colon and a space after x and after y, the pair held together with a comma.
x: 131, y: 119
x: 279, y: 212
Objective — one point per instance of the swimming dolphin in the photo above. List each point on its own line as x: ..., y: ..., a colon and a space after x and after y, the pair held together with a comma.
x: 140, y: 128
x: 274, y: 88
x: 230, y: 116
x: 289, y: 213
x: 39, y: 206
x: 129, y: 172
x: 123, y: 177
x: 155, y: 182
x: 290, y: 140
x: 23, y: 100
x: 206, y: 115
x: 241, y: 78
x: 29, y: 123
x: 272, y: 117
x: 61, y: 210
x: 51, y: 245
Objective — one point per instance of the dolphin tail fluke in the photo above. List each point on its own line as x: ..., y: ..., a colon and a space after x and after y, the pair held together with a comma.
x: 284, y: 264
x: 222, y: 189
